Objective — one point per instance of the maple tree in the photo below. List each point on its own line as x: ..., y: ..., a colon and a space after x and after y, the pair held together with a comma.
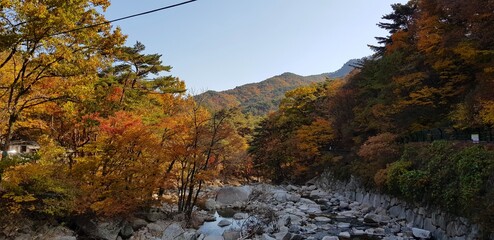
x: 120, y: 170
x: 197, y: 143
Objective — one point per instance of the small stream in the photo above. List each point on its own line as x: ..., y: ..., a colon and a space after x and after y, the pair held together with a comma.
x: 212, y: 228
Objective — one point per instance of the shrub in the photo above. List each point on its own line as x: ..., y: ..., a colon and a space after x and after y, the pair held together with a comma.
x: 474, y: 167
x: 395, y: 172
x: 377, y: 152
x: 37, y: 189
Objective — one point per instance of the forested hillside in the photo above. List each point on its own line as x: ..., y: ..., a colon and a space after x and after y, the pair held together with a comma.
x: 431, y: 79
x: 113, y: 134
x: 263, y: 97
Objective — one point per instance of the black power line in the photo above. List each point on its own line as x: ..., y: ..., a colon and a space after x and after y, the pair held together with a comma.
x: 122, y: 18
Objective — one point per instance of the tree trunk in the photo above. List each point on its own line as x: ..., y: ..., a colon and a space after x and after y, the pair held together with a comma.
x: 8, y: 136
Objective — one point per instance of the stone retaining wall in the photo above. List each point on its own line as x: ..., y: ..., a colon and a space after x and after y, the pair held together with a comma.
x: 443, y: 226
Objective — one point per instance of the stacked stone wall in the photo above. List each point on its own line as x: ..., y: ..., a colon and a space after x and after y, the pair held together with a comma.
x: 442, y: 225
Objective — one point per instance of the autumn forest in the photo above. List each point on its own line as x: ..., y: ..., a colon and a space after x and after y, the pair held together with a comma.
x: 117, y: 134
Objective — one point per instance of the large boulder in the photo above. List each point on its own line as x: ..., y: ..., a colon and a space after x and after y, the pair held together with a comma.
x: 199, y: 217
x: 154, y: 215
x: 283, y: 196
x: 138, y: 223
x: 233, y: 195
x: 156, y: 228
x: 126, y: 230
x: 105, y: 230
x: 421, y: 233
x: 173, y: 231
x: 280, y: 196
x: 231, y: 235
x: 48, y: 232
x: 210, y: 204
x: 190, y: 234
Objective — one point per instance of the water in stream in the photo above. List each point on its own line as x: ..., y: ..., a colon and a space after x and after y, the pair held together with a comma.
x: 212, y: 228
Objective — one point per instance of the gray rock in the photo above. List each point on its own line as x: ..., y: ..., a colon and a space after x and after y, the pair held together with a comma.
x: 330, y: 238
x: 199, y: 217
x: 375, y: 231
x: 309, y: 188
x: 410, y: 216
x: 138, y: 223
x: 265, y: 236
x: 23, y: 236
x: 190, y: 235
x: 232, y: 195
x: 289, y: 219
x: 214, y: 238
x: 282, y: 235
x: 344, y: 235
x: 393, y: 238
x: 374, y: 219
x: 224, y: 223
x: 306, y: 201
x: 428, y: 225
x: 308, y: 206
x: 283, y: 196
x: 456, y: 229
x: 296, y: 237
x: 231, y: 235
x: 99, y: 230
x: 350, y: 214
x: 418, y: 221
x: 280, y: 196
x: 156, y: 229
x: 240, y: 216
x: 294, y: 228
x: 65, y: 238
x: 358, y: 232
x: 48, y: 232
x: 293, y: 197
x: 395, y: 211
x: 421, y: 233
x: 173, y: 231
x: 366, y: 199
x: 126, y: 231
x: 322, y: 219
x: 344, y: 205
x: 439, y: 220
x: 318, y: 194
x: 344, y: 225
x: 359, y: 196
x: 292, y: 188
x: 210, y: 204
x: 154, y: 215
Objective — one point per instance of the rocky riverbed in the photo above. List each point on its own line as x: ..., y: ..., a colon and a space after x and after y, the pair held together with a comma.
x: 254, y: 212
x: 306, y: 212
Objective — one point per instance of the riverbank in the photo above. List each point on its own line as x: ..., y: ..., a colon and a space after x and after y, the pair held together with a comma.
x: 258, y: 211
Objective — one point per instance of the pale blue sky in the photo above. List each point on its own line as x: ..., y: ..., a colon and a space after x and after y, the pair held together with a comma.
x: 221, y: 44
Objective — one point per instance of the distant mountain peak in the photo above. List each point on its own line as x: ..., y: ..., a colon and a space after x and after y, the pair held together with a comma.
x: 263, y: 97
x: 288, y: 74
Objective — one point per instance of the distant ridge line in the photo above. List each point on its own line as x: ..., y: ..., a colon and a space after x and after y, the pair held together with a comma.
x: 263, y: 97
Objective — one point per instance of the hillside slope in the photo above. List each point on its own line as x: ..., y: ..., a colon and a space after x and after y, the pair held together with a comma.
x: 263, y: 97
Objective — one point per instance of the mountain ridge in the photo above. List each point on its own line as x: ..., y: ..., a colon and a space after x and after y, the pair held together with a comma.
x: 260, y: 98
